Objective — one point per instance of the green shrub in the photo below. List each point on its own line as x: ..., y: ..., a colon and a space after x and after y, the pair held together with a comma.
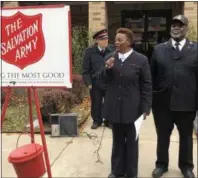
x: 78, y: 89
x: 79, y: 44
x: 192, y: 32
x: 61, y: 100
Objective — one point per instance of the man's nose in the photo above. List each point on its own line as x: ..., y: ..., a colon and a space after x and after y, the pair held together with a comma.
x: 176, y: 27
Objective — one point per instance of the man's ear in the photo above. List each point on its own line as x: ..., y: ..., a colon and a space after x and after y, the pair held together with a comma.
x: 129, y: 42
x: 186, y: 29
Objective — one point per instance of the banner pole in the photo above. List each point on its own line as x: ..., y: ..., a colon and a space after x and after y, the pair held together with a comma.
x: 42, y: 132
x: 30, y: 115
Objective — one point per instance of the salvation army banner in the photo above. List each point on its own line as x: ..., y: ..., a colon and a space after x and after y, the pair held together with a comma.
x: 36, y: 46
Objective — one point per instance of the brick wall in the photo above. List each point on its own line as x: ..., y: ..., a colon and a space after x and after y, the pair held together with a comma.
x: 10, y: 3
x: 97, y: 16
x: 190, y: 11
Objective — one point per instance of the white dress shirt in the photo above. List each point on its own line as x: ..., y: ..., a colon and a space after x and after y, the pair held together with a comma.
x: 100, y: 48
x: 181, y: 43
x: 123, y: 57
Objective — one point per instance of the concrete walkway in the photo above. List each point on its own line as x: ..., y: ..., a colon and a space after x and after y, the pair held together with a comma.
x: 77, y: 157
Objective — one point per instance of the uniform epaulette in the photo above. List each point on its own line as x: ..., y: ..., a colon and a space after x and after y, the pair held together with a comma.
x: 162, y: 44
x: 89, y: 48
x: 192, y: 42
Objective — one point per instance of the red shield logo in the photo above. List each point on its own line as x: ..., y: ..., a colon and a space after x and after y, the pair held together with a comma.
x: 22, y: 42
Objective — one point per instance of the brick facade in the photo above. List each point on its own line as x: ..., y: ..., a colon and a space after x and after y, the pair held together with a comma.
x: 190, y: 11
x: 10, y: 3
x: 97, y: 16
x: 109, y: 13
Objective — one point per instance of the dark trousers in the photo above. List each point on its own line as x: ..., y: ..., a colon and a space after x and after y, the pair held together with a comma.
x: 124, y: 160
x: 97, y: 96
x: 164, y: 122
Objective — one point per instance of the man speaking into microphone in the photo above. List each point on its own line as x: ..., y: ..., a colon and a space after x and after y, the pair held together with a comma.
x: 128, y: 96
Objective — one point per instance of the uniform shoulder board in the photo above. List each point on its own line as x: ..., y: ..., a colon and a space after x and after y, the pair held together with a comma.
x: 192, y: 42
x: 87, y: 50
x: 111, y: 47
x: 165, y: 42
x: 162, y: 44
x: 90, y: 47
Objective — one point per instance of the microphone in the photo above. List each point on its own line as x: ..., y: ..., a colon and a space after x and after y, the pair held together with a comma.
x: 113, y: 56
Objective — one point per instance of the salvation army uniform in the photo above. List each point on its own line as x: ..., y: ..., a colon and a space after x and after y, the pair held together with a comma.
x: 128, y: 96
x: 175, y: 97
x: 93, y: 60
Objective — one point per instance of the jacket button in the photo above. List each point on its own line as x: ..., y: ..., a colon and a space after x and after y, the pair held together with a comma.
x: 119, y: 98
x: 120, y: 75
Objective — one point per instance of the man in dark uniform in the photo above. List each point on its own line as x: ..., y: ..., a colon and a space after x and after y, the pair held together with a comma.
x: 93, y: 60
x: 174, y: 68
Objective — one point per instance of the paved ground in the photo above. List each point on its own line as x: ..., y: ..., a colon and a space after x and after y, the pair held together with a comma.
x: 75, y: 157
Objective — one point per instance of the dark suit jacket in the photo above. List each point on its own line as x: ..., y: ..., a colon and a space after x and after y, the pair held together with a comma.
x: 93, y: 60
x: 129, y: 88
x: 175, y: 77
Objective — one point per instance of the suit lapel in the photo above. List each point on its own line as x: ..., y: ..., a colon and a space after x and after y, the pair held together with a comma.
x: 175, y: 54
x: 170, y: 50
x: 187, y: 47
x: 99, y: 52
x: 108, y: 49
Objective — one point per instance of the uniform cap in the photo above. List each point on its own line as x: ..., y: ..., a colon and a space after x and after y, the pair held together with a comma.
x: 102, y: 34
x: 180, y: 18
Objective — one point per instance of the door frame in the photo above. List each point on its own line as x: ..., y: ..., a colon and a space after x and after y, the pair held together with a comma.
x: 157, y: 13
x: 167, y: 13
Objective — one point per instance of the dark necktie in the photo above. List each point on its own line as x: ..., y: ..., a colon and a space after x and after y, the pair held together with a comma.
x: 177, y: 46
x: 102, y: 52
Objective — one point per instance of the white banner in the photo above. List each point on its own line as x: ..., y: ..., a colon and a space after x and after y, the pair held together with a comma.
x: 36, y: 47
